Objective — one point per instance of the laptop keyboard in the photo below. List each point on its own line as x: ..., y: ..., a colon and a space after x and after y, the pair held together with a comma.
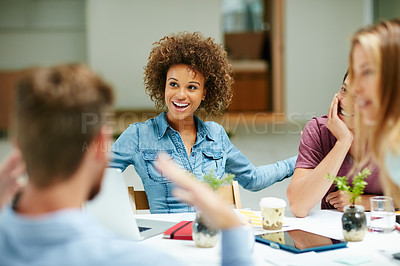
x: 143, y: 228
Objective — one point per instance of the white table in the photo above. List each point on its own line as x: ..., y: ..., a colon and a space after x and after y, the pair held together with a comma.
x: 323, y: 222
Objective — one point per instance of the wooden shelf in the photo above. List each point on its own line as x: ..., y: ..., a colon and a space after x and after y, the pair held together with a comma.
x: 251, y: 86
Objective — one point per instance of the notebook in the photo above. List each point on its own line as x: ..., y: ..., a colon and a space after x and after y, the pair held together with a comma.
x: 112, y: 208
x: 181, y: 230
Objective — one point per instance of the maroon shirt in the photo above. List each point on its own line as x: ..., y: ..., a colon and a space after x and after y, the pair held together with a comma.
x: 316, y: 142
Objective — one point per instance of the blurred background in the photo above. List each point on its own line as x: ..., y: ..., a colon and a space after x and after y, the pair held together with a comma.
x: 288, y: 56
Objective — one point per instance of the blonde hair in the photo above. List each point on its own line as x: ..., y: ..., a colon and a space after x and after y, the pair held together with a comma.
x: 381, y: 43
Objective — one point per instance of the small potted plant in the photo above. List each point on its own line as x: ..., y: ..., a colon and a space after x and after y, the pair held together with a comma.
x: 354, y: 222
x: 204, y: 234
x: 215, y: 183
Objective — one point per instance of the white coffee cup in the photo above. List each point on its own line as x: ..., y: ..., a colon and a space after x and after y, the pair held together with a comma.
x: 272, y: 212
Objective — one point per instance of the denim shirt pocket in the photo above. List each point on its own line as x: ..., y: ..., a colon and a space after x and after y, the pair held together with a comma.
x: 149, y: 158
x: 213, y: 159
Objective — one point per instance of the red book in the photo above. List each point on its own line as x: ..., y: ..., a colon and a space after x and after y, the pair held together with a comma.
x: 182, y: 231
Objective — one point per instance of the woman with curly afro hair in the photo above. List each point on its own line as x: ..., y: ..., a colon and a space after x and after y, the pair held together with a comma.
x: 185, y: 73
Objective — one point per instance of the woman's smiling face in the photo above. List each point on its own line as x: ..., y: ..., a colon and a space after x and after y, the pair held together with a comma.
x: 184, y: 91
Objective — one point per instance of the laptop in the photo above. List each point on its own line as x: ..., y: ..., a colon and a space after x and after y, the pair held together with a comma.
x: 112, y: 208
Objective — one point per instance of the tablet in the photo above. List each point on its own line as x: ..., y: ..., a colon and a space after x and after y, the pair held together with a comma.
x: 299, y: 241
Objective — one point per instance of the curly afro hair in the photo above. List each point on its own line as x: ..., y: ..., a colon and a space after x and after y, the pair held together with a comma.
x: 202, y: 55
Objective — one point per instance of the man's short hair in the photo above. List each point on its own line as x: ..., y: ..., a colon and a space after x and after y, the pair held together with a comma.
x: 59, y: 110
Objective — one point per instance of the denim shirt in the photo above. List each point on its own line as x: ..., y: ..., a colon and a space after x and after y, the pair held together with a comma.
x: 140, y: 143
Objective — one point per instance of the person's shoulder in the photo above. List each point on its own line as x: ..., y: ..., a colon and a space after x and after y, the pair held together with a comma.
x: 321, y: 121
x: 93, y: 241
x: 131, y: 135
x: 318, y: 121
x: 211, y: 125
x: 215, y: 129
x: 149, y: 124
x: 316, y: 124
x: 124, y: 252
x: 117, y: 251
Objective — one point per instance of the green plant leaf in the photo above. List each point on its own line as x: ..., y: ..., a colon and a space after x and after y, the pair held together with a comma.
x: 215, y: 182
x: 358, y: 185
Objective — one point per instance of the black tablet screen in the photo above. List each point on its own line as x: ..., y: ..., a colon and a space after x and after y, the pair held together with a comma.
x: 299, y: 239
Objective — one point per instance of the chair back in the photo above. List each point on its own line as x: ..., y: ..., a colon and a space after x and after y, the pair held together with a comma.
x: 138, y: 199
x: 230, y: 194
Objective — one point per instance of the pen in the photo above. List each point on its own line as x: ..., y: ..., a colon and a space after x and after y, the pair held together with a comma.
x: 398, y: 226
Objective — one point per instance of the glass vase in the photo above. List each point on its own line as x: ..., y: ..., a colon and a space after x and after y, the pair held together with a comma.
x: 203, y: 233
x: 354, y: 223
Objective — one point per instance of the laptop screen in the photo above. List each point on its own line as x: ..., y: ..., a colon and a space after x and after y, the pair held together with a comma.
x: 112, y: 207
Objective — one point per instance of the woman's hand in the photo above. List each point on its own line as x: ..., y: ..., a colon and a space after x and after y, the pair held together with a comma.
x: 11, y: 169
x: 338, y: 199
x: 336, y: 126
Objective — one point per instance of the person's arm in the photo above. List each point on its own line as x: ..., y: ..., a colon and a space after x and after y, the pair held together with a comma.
x: 308, y: 186
x: 235, y: 249
x: 12, y: 168
x: 251, y: 177
x: 124, y: 148
x: 276, y: 172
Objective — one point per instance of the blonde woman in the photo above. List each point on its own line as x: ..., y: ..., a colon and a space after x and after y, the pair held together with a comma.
x: 375, y: 72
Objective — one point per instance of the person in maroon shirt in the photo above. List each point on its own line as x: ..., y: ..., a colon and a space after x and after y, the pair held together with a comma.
x: 327, y: 147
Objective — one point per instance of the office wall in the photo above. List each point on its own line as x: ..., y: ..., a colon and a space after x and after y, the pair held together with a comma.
x: 41, y: 32
x: 116, y: 37
x: 121, y: 32
x: 317, y: 46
